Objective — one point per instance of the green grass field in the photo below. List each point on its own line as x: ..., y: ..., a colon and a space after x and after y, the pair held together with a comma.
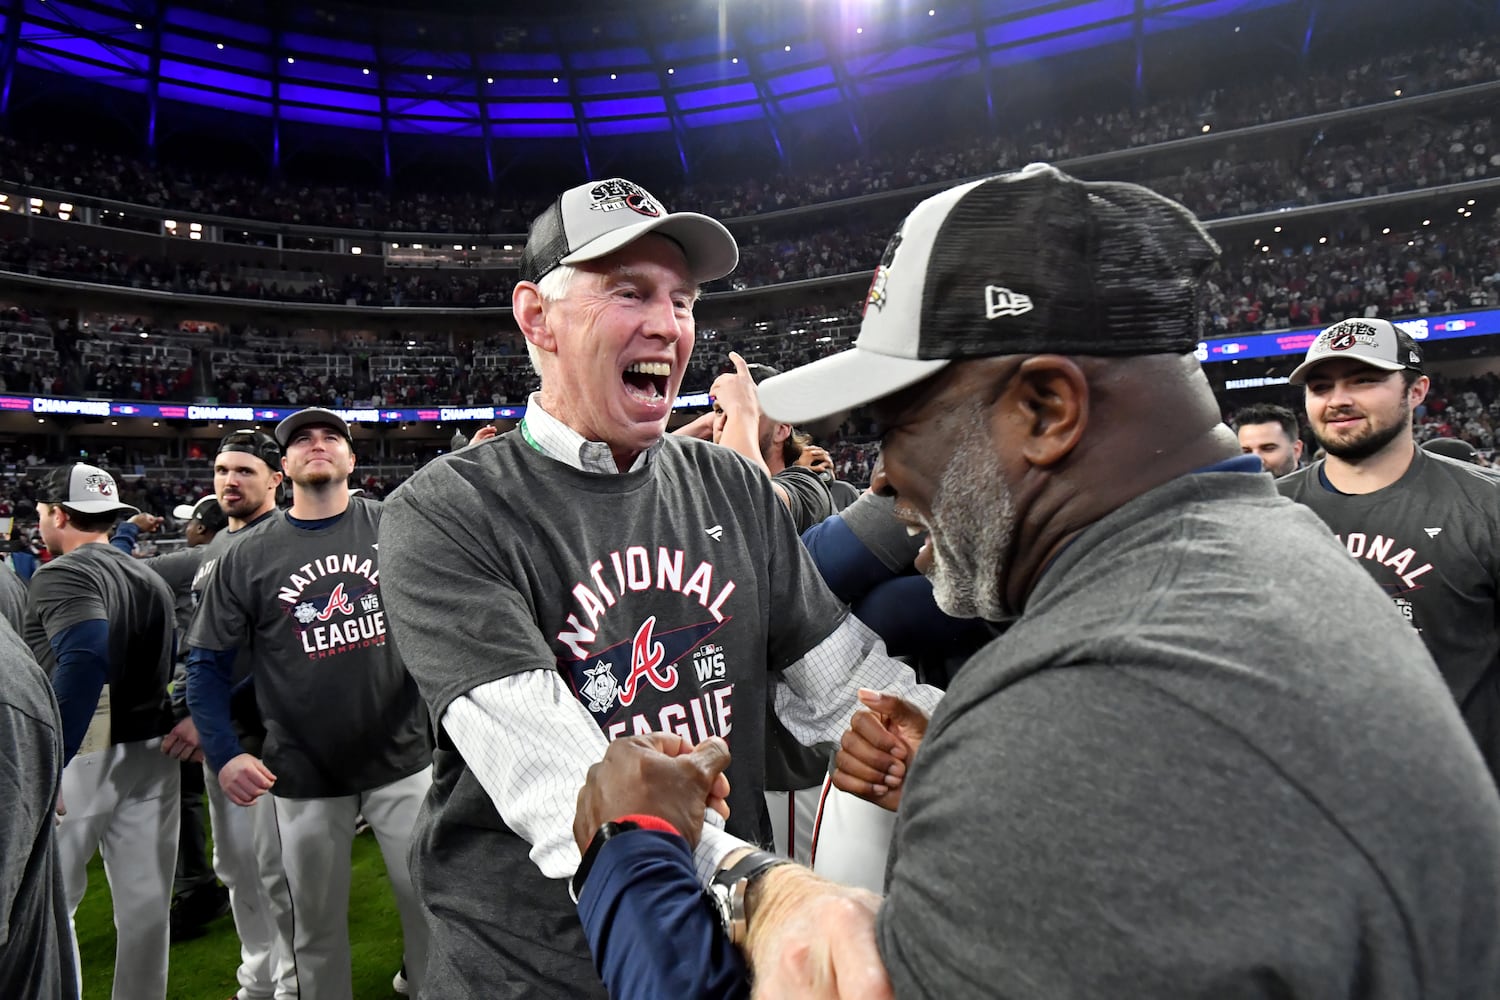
x: 203, y: 969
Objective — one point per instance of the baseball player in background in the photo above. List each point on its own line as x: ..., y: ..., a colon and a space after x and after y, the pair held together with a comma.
x: 247, y: 473
x: 346, y: 733
x: 1427, y: 528
x: 101, y: 625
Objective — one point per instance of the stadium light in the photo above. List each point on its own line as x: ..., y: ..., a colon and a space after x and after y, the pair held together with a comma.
x: 220, y: 45
x: 356, y: 251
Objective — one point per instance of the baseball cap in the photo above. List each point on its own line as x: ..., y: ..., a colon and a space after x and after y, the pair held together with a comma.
x: 305, y: 418
x: 594, y: 220
x: 1451, y: 448
x: 1376, y: 342
x: 253, y: 442
x: 86, y: 489
x: 1030, y: 262
x: 206, y: 510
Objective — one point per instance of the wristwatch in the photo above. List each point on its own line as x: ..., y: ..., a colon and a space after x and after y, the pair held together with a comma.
x: 727, y: 891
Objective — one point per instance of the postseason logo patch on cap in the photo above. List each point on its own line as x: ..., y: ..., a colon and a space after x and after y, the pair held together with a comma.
x: 613, y: 195
x: 1346, y: 335
x: 99, y: 483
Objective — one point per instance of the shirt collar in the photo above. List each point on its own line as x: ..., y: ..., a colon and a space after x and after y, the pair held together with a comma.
x: 561, y: 443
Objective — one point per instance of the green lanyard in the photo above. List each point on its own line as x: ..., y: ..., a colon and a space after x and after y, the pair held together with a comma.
x: 526, y: 435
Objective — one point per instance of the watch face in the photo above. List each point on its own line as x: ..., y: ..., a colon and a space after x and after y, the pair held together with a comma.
x: 722, y: 898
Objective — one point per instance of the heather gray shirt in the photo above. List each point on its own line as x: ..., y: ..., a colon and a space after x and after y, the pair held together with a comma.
x: 1207, y: 762
x: 36, y: 954
x: 1432, y: 541
x: 12, y: 597
x: 97, y: 581
x: 663, y: 597
x: 304, y: 608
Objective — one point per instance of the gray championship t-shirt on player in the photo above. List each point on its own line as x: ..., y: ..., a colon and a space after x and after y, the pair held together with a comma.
x: 98, y: 581
x: 1206, y: 763
x: 303, y: 607
x: 1432, y: 541
x: 12, y: 597
x: 36, y: 952
x: 242, y: 710
x: 663, y: 597
x: 809, y: 496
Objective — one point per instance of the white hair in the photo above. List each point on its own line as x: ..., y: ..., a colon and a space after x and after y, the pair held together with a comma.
x: 553, y: 288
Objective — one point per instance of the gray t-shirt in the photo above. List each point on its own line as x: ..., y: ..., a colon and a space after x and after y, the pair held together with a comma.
x: 99, y: 582
x: 303, y: 606
x: 1206, y: 762
x: 12, y: 597
x: 663, y: 597
x: 36, y: 954
x: 809, y: 496
x: 1432, y: 541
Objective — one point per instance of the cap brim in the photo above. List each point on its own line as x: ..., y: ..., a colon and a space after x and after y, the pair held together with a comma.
x: 183, y: 511
x: 710, y: 249
x: 308, y: 418
x: 840, y: 382
x: 94, y: 506
x: 1299, y: 374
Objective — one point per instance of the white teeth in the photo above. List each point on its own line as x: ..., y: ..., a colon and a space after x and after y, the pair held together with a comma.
x: 660, y: 368
x: 914, y: 530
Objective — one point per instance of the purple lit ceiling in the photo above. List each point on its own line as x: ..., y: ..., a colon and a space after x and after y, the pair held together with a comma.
x: 656, y: 67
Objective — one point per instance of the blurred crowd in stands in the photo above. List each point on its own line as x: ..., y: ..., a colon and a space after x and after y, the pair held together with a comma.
x: 1361, y: 80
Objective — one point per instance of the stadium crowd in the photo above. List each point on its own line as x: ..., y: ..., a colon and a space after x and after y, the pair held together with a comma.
x: 1359, y: 82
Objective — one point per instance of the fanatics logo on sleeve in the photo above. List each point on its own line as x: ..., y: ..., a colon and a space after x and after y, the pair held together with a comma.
x: 1000, y: 302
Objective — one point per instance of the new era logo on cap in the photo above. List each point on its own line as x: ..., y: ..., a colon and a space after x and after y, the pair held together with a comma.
x: 1004, y: 302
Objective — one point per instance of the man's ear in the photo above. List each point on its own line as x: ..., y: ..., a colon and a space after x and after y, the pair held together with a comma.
x: 531, y: 315
x: 781, y: 433
x: 1044, y: 410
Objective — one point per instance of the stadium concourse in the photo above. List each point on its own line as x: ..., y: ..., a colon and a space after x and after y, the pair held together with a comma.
x: 303, y: 221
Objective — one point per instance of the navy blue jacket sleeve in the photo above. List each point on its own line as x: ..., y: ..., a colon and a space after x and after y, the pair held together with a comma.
x: 210, y: 673
x: 82, y: 671
x: 649, y: 926
x: 848, y: 567
x: 125, y: 537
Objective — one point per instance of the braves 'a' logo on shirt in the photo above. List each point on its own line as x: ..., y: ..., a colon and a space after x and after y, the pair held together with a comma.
x: 329, y: 622
x: 638, y: 684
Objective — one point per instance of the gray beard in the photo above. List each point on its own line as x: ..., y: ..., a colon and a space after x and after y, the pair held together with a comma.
x: 973, y: 522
